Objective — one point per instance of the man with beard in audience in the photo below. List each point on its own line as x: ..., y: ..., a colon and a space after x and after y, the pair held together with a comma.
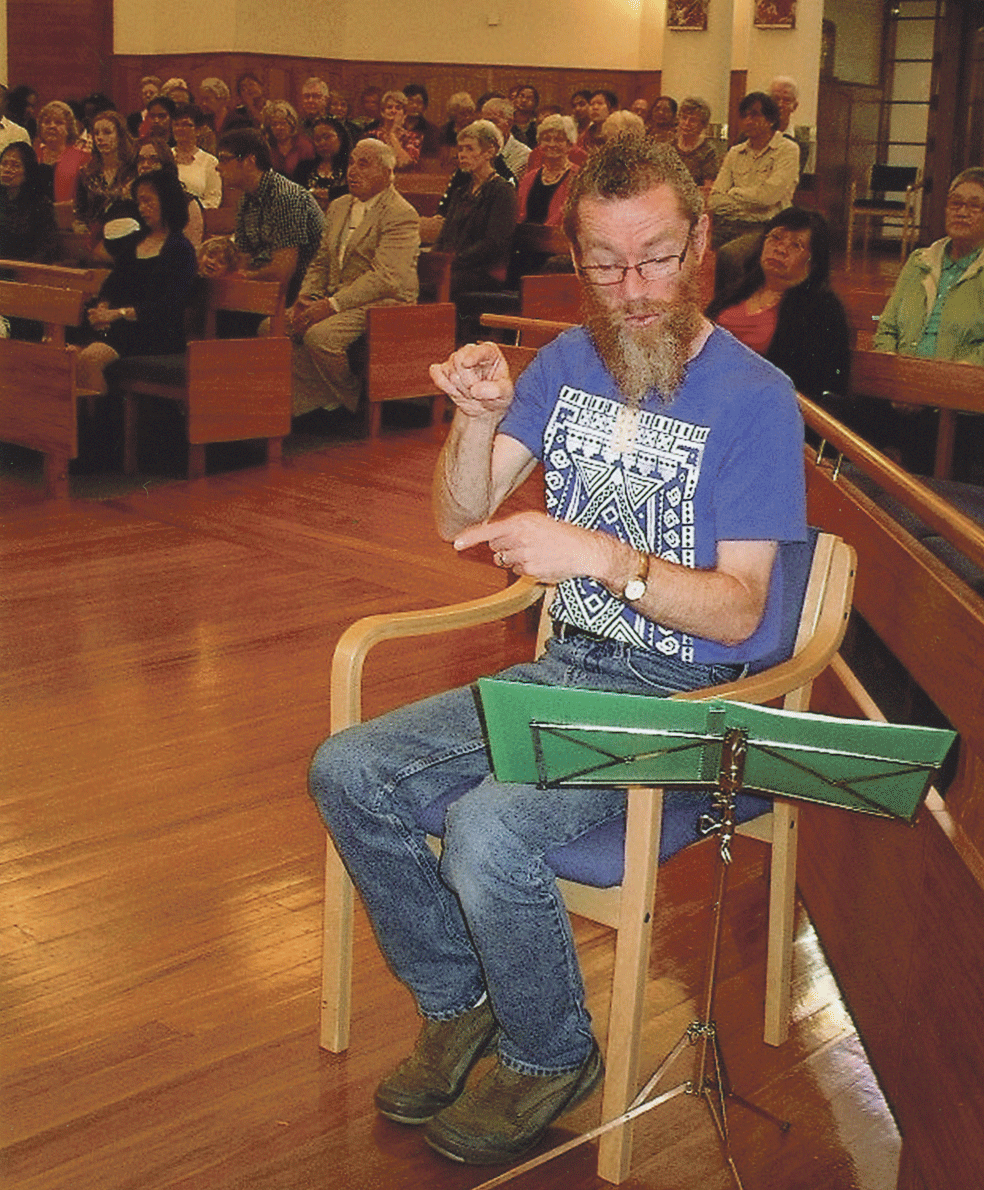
x: 673, y: 468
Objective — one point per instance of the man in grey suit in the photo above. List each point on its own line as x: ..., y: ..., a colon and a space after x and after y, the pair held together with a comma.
x: 367, y: 257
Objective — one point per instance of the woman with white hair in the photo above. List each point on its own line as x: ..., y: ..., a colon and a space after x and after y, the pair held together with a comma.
x: 481, y: 217
x: 542, y: 192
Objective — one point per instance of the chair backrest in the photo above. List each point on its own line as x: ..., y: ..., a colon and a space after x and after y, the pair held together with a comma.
x: 891, y: 179
x: 434, y: 275
x: 56, y: 308
x: 552, y: 296
x: 244, y: 296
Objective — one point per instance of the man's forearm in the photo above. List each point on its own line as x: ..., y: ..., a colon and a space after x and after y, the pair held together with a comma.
x: 462, y: 491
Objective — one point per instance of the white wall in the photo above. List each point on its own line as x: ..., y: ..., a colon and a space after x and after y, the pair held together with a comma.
x: 605, y: 34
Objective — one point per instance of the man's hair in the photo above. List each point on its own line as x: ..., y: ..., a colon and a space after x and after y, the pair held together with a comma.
x: 417, y: 89
x: 666, y: 99
x: 502, y: 109
x: 626, y: 167
x: 483, y: 132
x: 770, y: 109
x: 974, y: 173
x: 170, y: 193
x: 609, y: 97
x: 164, y: 101
x: 383, y: 152
x: 623, y: 123
x: 150, y: 78
x: 694, y: 103
x: 246, y: 142
x: 784, y: 80
x: 585, y: 95
x: 315, y: 84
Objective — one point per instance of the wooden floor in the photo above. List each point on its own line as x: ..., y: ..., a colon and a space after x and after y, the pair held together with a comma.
x: 164, y: 682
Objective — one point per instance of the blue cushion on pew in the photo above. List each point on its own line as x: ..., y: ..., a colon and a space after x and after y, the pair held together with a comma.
x: 597, y: 857
x: 153, y: 369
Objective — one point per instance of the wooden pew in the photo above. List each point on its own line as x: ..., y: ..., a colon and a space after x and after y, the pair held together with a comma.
x: 900, y: 911
x: 938, y: 384
x: 38, y: 393
x: 229, y: 389
x: 57, y: 276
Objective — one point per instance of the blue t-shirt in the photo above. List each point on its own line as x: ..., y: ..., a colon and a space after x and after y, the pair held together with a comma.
x: 723, y: 462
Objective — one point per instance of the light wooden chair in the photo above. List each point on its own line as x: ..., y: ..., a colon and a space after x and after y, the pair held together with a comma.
x: 818, y: 615
x: 883, y: 180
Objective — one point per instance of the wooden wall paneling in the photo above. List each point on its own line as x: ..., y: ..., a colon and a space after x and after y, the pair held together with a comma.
x: 737, y: 86
x: 63, y: 48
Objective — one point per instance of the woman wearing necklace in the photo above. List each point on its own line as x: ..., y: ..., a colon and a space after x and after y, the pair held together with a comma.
x: 59, y: 155
x: 696, y: 152
x: 784, y: 309
x: 543, y: 192
x: 106, y: 178
x: 481, y: 216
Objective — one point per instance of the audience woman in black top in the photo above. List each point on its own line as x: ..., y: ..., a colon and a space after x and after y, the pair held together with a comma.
x: 481, y: 217
x: 784, y: 309
x: 27, y: 218
x: 325, y: 174
x: 141, y: 305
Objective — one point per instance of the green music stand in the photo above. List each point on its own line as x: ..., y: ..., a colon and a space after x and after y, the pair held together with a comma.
x: 552, y: 737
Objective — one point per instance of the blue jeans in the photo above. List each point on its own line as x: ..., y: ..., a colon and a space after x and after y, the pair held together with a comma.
x: 488, y: 917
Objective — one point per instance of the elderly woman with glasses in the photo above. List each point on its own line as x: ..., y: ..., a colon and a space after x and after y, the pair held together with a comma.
x: 784, y: 308
x: 937, y: 306
x: 281, y: 126
x: 391, y: 129
x: 696, y: 152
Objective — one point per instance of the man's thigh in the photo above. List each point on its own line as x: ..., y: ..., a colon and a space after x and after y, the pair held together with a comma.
x: 335, y: 334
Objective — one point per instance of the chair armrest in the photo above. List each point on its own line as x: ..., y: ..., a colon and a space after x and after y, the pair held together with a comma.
x: 355, y: 643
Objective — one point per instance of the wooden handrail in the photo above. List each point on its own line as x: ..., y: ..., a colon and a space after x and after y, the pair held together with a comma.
x: 959, y: 530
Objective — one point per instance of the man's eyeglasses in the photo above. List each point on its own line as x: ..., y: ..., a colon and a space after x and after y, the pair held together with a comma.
x: 655, y: 269
x: 961, y: 204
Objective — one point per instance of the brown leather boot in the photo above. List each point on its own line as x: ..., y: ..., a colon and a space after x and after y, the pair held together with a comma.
x: 435, y: 1073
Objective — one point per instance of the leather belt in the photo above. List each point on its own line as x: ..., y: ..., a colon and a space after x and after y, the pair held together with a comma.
x: 564, y: 631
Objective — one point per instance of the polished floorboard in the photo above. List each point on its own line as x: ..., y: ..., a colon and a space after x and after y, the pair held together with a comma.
x: 164, y: 682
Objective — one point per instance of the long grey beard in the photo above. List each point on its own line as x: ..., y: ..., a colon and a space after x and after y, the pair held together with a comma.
x: 653, y: 357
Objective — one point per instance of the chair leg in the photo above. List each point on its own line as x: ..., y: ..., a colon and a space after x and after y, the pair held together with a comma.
x: 275, y: 452
x: 374, y: 417
x: 196, y: 460
x: 55, y: 476
x: 643, y: 827
x: 336, y: 962
x: 782, y: 910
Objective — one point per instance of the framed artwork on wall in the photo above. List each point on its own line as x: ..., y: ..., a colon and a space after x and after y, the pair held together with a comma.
x: 775, y: 14
x: 687, y: 15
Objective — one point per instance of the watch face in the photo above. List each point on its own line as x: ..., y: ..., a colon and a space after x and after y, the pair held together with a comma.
x: 634, y: 589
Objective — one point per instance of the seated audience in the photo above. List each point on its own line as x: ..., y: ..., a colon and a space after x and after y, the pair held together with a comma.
x: 581, y: 110
x: 391, y: 129
x: 367, y: 257
x: 785, y: 309
x: 140, y: 309
x: 481, y: 217
x: 341, y: 109
x: 416, y: 120
x: 515, y: 154
x: 622, y: 123
x: 369, y: 104
x: 150, y: 85
x: 27, y: 218
x: 178, y: 91
x: 542, y: 193
x: 758, y: 177
x: 107, y: 176
x: 215, y: 100
x: 642, y: 108
x: 217, y: 257
x: 198, y: 170
x: 697, y: 153
x: 460, y: 112
x: 22, y: 103
x: 153, y: 155
x: 600, y: 107
x: 10, y: 130
x: 288, y: 145
x: 526, y: 102
x: 314, y: 102
x: 937, y: 306
x: 663, y: 119
x: 160, y: 113
x: 248, y: 113
x: 278, y: 223
x: 325, y: 174
x: 57, y: 149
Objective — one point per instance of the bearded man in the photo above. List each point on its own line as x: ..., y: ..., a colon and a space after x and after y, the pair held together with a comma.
x: 674, y: 467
